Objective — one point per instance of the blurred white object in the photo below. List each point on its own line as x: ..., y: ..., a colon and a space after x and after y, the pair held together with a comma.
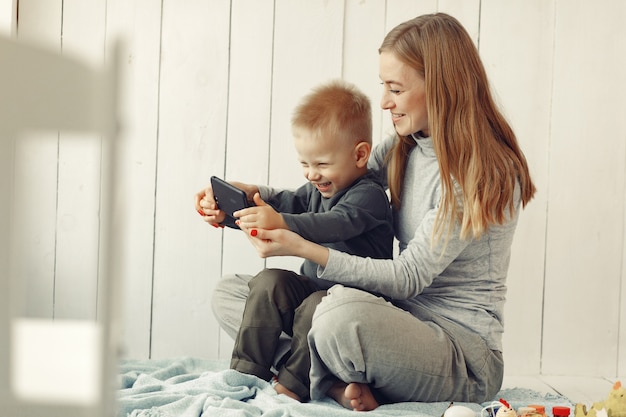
x: 459, y: 411
x: 56, y: 367
x: 37, y: 374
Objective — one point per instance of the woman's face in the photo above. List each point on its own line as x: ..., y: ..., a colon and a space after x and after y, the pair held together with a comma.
x: 403, y: 96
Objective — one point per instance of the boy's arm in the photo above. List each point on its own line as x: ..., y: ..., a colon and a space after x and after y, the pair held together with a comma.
x: 268, y: 213
x: 287, y: 201
x: 362, y: 208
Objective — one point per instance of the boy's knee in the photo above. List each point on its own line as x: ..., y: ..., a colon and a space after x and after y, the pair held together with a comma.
x: 308, y: 306
x: 270, y: 278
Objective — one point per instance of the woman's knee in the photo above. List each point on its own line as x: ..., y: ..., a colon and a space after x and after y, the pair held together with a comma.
x: 228, y: 301
x: 330, y: 320
x: 344, y: 303
x: 347, y: 313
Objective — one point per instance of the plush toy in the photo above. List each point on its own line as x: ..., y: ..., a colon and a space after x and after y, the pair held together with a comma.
x: 613, y: 406
x: 505, y: 410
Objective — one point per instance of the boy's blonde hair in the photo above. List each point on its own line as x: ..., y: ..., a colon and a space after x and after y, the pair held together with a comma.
x: 338, y: 109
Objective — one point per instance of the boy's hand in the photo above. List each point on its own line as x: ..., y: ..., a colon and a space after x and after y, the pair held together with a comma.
x: 207, y: 207
x: 262, y: 216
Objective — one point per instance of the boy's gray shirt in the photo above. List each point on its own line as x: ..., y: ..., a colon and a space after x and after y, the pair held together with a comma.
x: 356, y: 220
x: 465, y: 284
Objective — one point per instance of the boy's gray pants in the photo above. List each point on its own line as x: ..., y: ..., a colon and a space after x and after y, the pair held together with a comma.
x: 279, y: 301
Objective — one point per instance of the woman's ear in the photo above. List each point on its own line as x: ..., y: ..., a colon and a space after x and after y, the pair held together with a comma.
x: 362, y: 152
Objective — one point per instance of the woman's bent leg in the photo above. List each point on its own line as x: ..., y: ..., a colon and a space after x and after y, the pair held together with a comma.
x: 270, y: 308
x: 229, y: 301
x: 358, y: 337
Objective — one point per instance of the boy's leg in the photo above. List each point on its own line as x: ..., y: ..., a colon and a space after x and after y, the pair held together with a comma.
x: 270, y: 308
x: 294, y: 375
x: 228, y: 303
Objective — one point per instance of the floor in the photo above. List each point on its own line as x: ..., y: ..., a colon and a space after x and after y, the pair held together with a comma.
x: 585, y: 390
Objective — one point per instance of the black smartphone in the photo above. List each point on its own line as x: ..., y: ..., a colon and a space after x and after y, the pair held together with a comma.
x: 229, y: 198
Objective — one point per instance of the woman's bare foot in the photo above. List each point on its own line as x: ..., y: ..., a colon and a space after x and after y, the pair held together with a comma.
x: 355, y: 396
x: 280, y: 388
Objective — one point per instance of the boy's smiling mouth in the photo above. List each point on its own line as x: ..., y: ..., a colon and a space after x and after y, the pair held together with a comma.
x: 322, y: 187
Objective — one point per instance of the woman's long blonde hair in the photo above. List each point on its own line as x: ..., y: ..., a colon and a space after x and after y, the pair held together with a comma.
x: 474, y: 144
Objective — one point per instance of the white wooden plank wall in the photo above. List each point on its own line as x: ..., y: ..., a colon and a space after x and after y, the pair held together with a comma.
x: 208, y: 89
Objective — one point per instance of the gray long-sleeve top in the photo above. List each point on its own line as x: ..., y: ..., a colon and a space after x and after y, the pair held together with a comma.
x: 464, y: 284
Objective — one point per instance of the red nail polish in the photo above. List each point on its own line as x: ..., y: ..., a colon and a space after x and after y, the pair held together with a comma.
x: 215, y: 225
x: 253, y: 232
x: 200, y: 212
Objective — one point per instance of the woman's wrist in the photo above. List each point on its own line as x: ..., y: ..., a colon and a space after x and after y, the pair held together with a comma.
x: 313, y: 252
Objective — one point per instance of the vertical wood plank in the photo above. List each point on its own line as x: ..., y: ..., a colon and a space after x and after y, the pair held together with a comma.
x: 249, y: 112
x: 360, y: 54
x: 35, y: 180
x: 248, y: 130
x: 467, y: 12
x: 137, y: 24
x: 40, y: 21
x: 585, y: 222
x: 621, y: 358
x: 529, y: 114
x: 192, y: 124
x: 307, y: 51
x: 403, y: 10
x: 618, y: 37
x: 78, y: 200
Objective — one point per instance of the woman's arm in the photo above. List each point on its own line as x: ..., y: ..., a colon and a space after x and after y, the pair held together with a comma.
x: 399, y: 278
x: 282, y: 242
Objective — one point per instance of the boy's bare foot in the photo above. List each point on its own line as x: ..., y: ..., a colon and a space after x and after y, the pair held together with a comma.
x: 280, y: 388
x: 355, y: 396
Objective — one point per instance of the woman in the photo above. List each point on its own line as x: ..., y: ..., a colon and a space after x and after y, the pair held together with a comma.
x: 458, y: 180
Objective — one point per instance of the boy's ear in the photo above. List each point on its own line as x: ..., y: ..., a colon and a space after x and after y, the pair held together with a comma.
x: 362, y: 152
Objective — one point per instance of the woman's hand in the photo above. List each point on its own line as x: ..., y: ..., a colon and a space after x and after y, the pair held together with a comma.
x: 261, y: 216
x: 283, y: 242
x: 207, y: 207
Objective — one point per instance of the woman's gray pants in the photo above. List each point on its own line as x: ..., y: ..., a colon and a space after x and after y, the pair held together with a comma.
x: 358, y: 337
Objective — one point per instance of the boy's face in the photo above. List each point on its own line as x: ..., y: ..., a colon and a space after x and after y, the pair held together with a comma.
x: 329, y: 163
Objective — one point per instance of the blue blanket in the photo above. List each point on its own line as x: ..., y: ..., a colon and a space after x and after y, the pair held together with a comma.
x: 187, y: 387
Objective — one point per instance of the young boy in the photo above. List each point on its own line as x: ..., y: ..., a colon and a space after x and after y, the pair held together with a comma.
x: 343, y: 206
